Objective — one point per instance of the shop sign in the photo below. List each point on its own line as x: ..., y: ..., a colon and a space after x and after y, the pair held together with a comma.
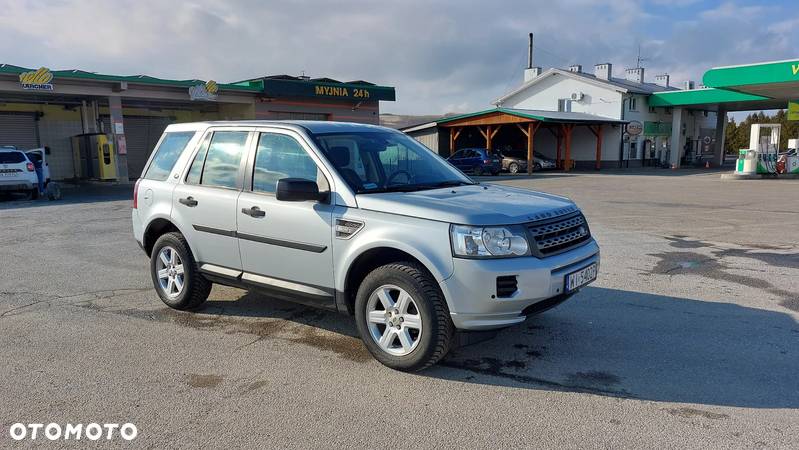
x: 793, y: 110
x: 657, y: 128
x: 37, y: 80
x: 635, y: 128
x: 204, y: 92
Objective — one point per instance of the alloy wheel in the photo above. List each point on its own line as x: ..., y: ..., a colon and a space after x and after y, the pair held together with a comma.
x: 171, y: 276
x: 394, y: 321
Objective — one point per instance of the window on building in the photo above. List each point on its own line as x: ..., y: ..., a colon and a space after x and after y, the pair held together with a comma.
x: 167, y: 154
x: 279, y: 156
x: 652, y: 110
x: 564, y: 105
x: 222, y: 160
x: 633, y: 104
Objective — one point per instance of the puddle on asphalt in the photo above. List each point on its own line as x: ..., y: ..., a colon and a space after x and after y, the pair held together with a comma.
x: 690, y: 413
x: 711, y: 266
x: 296, y: 325
x: 203, y: 381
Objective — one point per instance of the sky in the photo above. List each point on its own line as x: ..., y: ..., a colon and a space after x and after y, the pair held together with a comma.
x: 441, y: 56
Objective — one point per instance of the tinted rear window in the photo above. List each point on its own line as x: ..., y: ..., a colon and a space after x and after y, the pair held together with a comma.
x: 12, y: 157
x: 167, y: 154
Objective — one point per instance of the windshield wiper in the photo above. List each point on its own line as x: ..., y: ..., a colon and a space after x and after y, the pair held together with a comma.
x: 417, y: 187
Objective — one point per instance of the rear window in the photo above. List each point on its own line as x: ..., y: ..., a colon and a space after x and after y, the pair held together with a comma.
x: 12, y: 157
x: 167, y: 154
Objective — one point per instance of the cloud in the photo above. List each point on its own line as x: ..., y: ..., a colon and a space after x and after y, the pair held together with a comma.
x: 439, y: 55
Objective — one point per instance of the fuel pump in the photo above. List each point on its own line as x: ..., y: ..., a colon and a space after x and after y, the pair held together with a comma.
x: 94, y: 156
x: 761, y: 156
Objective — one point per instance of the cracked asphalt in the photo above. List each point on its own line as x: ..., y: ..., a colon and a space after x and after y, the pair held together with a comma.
x: 688, y: 339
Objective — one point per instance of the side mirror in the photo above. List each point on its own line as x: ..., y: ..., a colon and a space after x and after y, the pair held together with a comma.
x: 298, y: 190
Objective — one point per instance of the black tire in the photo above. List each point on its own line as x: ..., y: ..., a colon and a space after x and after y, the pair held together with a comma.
x: 513, y: 168
x: 537, y: 166
x: 34, y: 194
x: 478, y: 171
x: 196, y: 288
x: 437, y: 328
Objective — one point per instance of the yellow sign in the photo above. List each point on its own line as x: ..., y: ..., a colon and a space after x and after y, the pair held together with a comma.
x: 38, y: 80
x: 793, y: 110
x: 795, y: 69
x: 207, y: 91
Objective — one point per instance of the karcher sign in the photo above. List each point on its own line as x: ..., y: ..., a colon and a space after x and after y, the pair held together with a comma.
x: 793, y: 110
x: 38, y: 80
x: 205, y: 92
x: 795, y: 69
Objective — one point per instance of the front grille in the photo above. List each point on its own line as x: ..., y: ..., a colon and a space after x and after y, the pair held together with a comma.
x: 557, y: 235
x: 506, y: 286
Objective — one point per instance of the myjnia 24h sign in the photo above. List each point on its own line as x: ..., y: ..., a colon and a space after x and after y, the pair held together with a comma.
x: 37, y: 80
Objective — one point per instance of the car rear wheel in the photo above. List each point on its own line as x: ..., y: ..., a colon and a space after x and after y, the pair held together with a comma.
x: 513, y: 168
x: 402, y: 317
x: 34, y: 194
x: 175, y: 274
x: 478, y: 171
x: 537, y: 166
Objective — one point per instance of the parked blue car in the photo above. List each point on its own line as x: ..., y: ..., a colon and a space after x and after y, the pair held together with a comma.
x: 478, y: 161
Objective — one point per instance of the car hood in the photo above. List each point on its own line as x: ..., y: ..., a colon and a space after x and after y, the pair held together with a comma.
x: 484, y: 204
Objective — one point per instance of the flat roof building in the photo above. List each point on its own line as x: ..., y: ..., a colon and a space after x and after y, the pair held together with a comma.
x: 44, y: 108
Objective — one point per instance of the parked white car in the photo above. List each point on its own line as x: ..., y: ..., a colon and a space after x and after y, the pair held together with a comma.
x: 18, y: 171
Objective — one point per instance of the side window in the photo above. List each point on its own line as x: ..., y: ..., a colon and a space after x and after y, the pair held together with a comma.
x: 457, y: 155
x: 223, y: 159
x: 279, y: 156
x: 167, y: 154
x: 196, y: 170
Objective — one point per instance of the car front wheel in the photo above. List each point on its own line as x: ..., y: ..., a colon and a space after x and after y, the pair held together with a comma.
x: 513, y: 168
x: 175, y: 274
x: 402, y: 317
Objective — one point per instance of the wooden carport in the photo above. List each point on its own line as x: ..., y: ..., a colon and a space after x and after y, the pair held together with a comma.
x: 529, y: 122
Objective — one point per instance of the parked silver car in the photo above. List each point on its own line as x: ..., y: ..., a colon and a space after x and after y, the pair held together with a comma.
x: 514, y: 161
x: 359, y: 219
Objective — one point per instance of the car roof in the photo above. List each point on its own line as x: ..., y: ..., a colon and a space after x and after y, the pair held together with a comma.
x: 311, y: 126
x: 10, y: 149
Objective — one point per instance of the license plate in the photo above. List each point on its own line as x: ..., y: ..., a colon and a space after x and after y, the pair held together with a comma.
x: 576, y: 280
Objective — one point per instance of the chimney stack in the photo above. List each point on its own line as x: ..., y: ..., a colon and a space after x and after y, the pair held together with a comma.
x: 603, y: 71
x: 577, y: 68
x: 635, y: 75
x: 662, y: 80
x: 530, y: 72
x: 688, y: 85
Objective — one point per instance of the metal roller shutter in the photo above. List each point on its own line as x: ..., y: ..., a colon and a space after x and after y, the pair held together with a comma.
x: 141, y: 135
x: 19, y: 130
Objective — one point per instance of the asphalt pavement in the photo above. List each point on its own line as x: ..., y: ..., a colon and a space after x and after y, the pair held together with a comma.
x: 688, y: 339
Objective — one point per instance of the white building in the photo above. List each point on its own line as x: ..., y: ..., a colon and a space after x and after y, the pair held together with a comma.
x: 634, y: 134
x: 648, y: 136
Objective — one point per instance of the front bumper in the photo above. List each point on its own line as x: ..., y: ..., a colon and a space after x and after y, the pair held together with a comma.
x: 471, y: 290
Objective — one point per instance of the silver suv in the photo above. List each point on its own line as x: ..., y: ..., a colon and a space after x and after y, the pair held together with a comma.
x: 358, y: 219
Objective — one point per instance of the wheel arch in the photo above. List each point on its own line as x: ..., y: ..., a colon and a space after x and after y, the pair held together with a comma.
x: 157, y: 228
x: 371, y: 258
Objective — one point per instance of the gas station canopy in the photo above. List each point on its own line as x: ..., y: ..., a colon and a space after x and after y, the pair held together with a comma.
x: 760, y: 86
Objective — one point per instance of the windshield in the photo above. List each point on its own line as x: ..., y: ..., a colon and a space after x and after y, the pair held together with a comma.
x: 386, y: 161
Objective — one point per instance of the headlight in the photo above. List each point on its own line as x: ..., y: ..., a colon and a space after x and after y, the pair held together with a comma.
x: 487, y: 242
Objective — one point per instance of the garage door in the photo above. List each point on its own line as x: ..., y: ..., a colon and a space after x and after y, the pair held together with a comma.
x: 19, y: 130
x: 141, y: 135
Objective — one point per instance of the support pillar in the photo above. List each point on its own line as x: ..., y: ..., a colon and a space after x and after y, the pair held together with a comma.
x: 598, y: 134
x: 721, y: 132
x: 675, y: 145
x: 118, y: 135
x: 567, y: 134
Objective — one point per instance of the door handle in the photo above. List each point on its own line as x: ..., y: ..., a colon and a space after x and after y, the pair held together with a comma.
x: 254, y: 212
x: 188, y: 201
